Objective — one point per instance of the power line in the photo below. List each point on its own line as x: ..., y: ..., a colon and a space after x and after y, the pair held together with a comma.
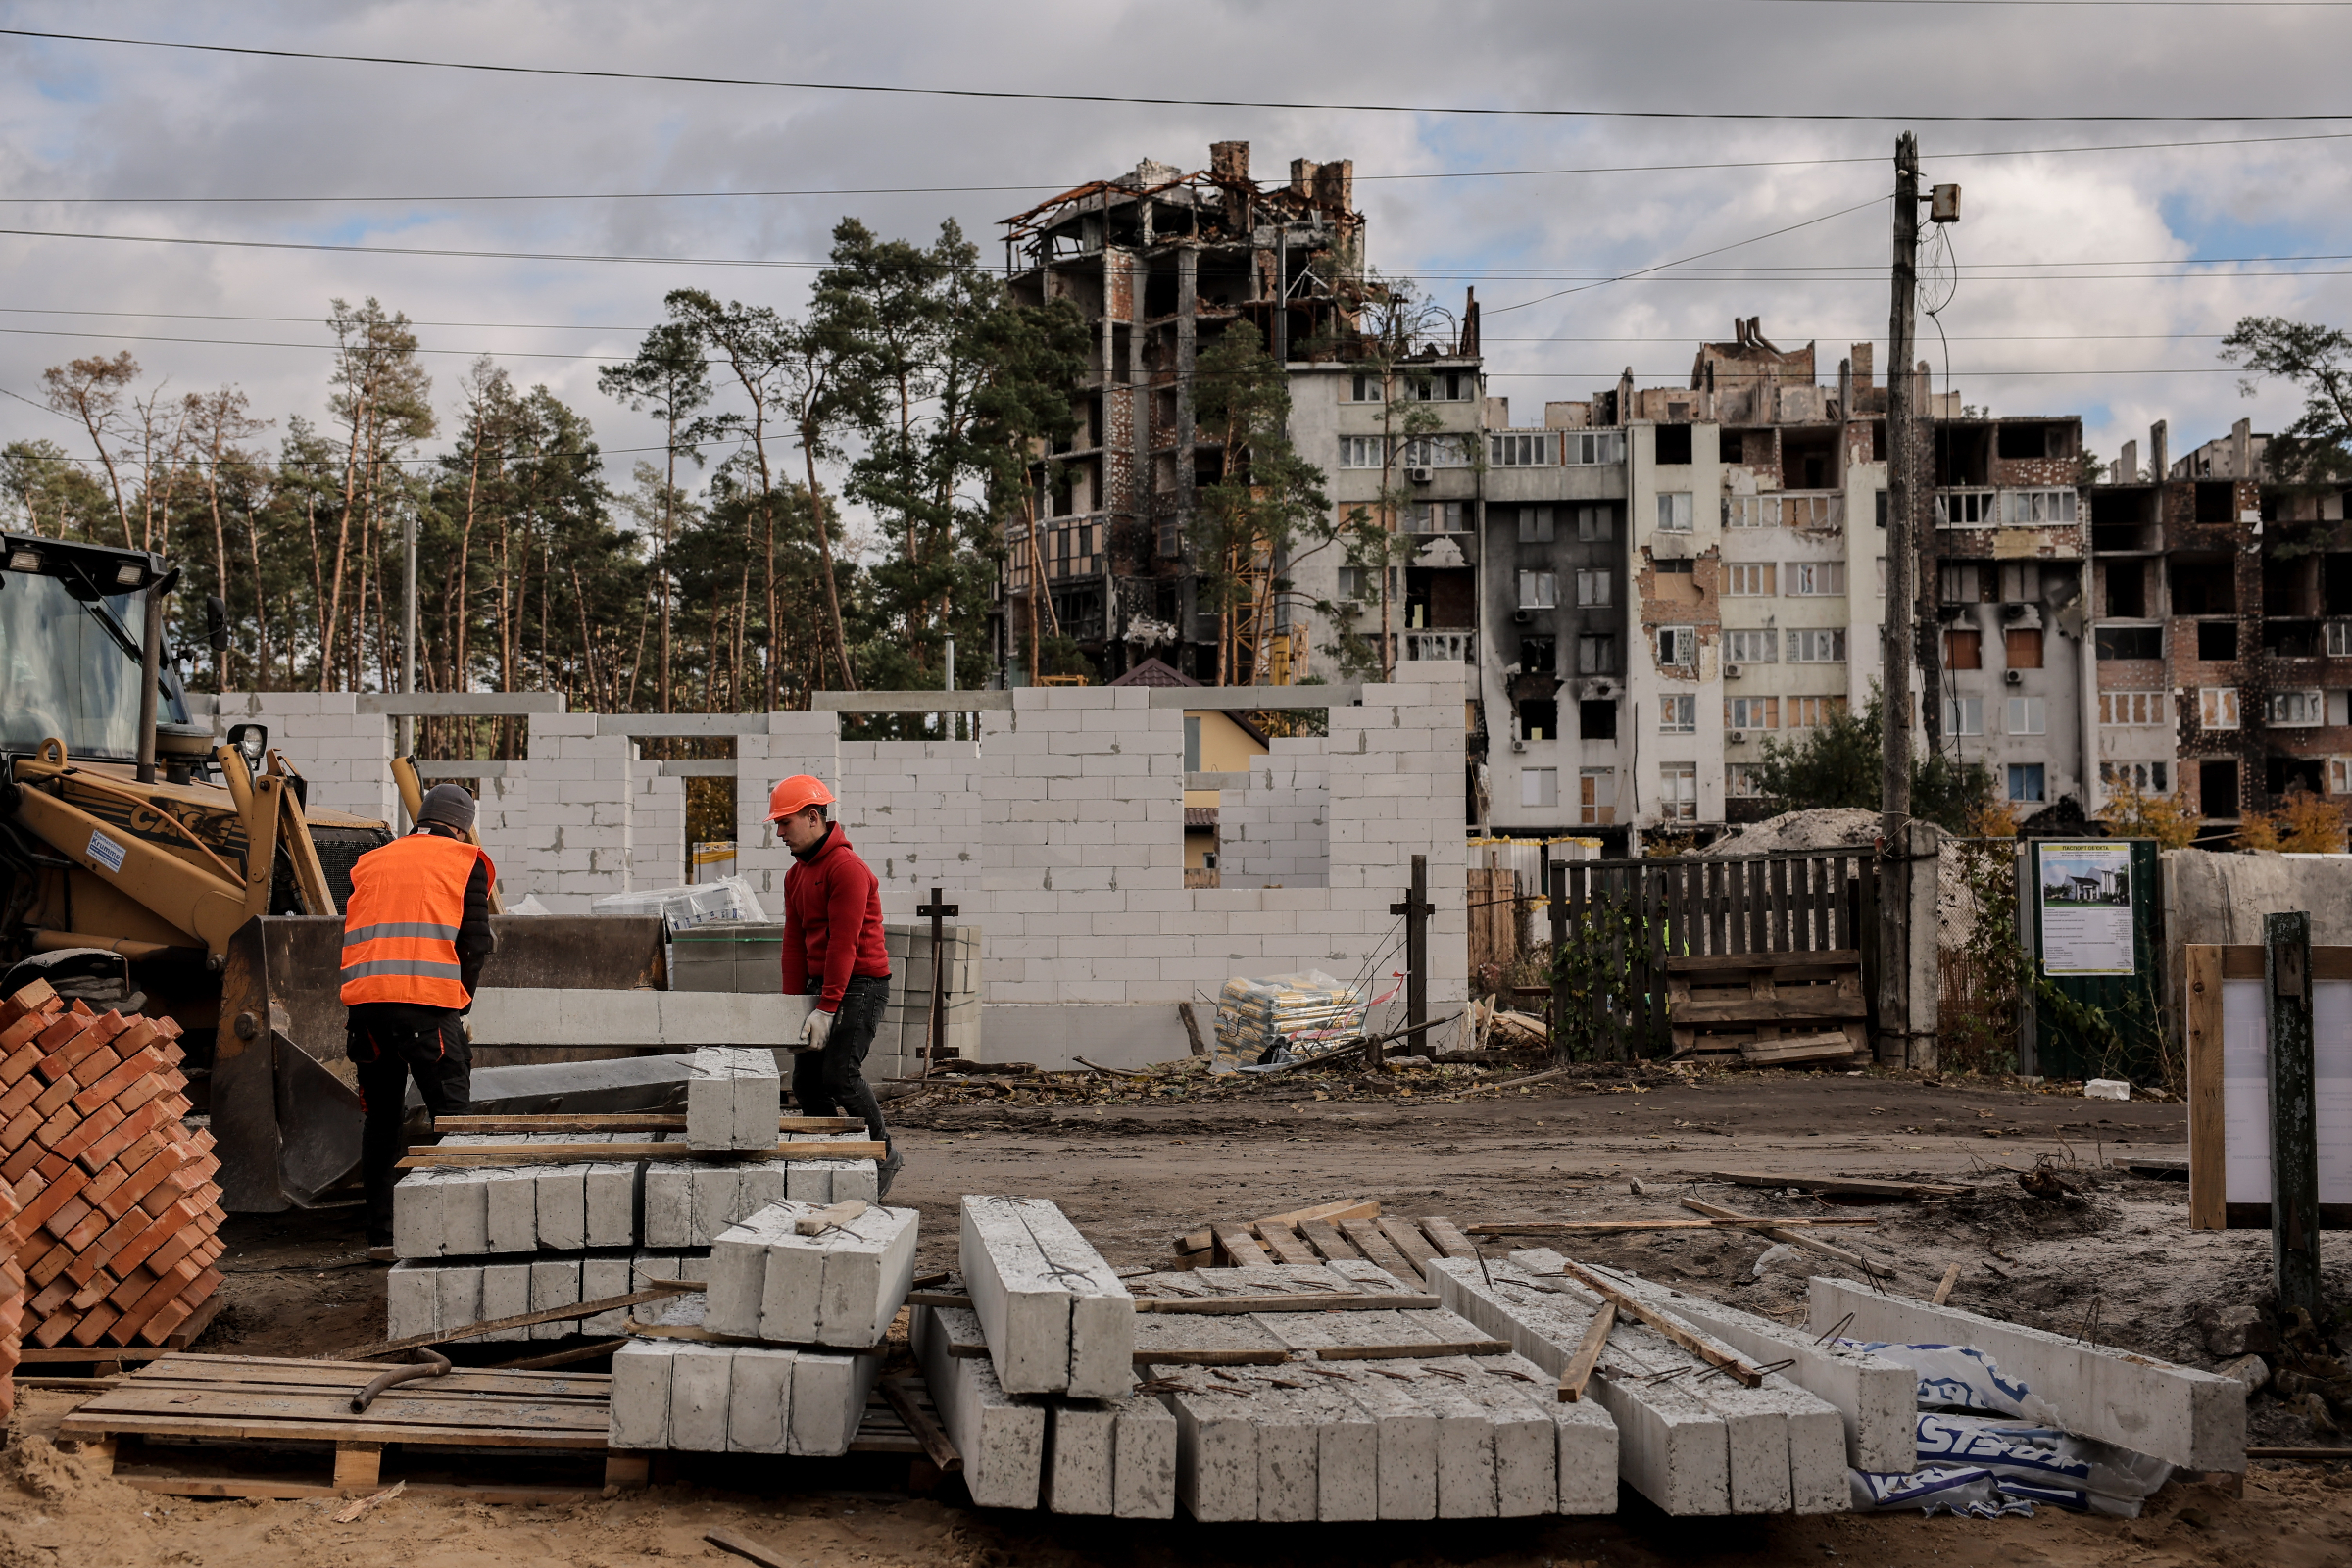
x: 960, y: 190
x: 680, y: 78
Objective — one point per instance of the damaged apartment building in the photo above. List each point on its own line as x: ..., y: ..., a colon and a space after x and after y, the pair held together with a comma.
x: 2225, y: 629
x: 1162, y: 262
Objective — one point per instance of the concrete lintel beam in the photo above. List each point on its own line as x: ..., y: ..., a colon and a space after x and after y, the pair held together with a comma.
x: 462, y: 705
x: 1216, y: 781
x: 973, y: 701
x: 426, y: 770
x: 699, y: 767
x: 1244, y: 699
x: 654, y: 726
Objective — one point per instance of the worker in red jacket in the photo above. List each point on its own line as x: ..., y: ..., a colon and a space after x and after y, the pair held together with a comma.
x: 833, y: 951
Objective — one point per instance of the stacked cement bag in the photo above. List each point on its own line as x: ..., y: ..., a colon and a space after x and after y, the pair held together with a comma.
x: 1301, y: 1013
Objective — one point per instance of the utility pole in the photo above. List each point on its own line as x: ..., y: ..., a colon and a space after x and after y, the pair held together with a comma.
x: 1895, y: 643
x: 408, y: 629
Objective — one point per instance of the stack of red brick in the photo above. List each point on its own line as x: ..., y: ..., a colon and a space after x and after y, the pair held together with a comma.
x: 12, y: 1299
x: 117, y: 1233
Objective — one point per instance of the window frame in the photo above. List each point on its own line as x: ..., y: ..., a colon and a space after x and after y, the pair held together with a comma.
x: 1548, y: 583
x: 1685, y: 638
x: 2218, y: 707
x: 1677, y: 519
x: 1678, y: 712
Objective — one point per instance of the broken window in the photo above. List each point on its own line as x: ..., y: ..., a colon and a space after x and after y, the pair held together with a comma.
x: 2217, y: 640
x: 1363, y: 388
x: 1436, y: 452
x: 1534, y: 525
x: 1674, y: 444
x: 1538, y: 718
x: 1438, y: 517
x: 1523, y: 449
x: 1743, y: 780
x: 1967, y: 509
x: 2217, y: 500
x: 2129, y: 642
x: 1596, y: 719
x: 2217, y: 788
x: 1596, y: 653
x: 1964, y: 716
x: 2297, y: 709
x: 1678, y: 647
x: 1816, y: 578
x: 1585, y: 448
x: 1748, y: 579
x: 1751, y: 512
x: 1811, y: 713
x: 2132, y: 709
x: 1673, y: 512
x: 1361, y: 451
x: 2127, y: 589
x: 1596, y: 793
x: 2022, y: 648
x: 2041, y: 508
x: 1964, y: 649
x: 1677, y: 792
x: 2204, y: 585
x: 1754, y: 647
x: 2146, y: 777
x: 1817, y: 647
x: 2021, y: 581
x: 1537, y: 654
x: 1958, y: 580
x: 1808, y: 460
x: 2029, y: 716
x: 2216, y: 707
x: 1441, y: 386
x: 1751, y: 713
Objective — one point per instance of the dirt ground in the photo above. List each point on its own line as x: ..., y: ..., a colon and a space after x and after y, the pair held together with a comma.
x: 2115, y: 1260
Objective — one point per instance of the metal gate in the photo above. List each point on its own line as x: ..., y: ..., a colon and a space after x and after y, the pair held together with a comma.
x: 1633, y: 930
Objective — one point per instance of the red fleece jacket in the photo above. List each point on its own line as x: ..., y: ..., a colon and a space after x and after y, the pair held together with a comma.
x: 832, y: 920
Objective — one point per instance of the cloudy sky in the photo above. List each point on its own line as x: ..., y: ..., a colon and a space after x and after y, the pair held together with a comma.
x: 2069, y: 293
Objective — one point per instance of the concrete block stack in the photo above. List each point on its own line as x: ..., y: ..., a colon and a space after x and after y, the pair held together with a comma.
x: 1056, y: 1317
x: 476, y: 1243
x: 815, y: 1311
x: 12, y: 1298
x: 117, y: 1237
x: 906, y: 1030
x: 733, y: 1096
x: 1691, y: 1446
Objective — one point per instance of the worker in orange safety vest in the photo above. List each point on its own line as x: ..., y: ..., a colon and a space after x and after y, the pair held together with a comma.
x: 415, y: 934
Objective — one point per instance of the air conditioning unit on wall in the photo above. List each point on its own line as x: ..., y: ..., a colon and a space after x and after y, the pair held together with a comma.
x: 1732, y: 671
x: 2014, y: 677
x: 1417, y: 475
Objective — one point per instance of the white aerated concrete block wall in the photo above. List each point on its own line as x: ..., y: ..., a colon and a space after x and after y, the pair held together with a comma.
x: 344, y: 755
x: 1278, y: 830
x: 657, y: 828
x: 915, y: 810
x: 795, y: 743
x: 577, y: 845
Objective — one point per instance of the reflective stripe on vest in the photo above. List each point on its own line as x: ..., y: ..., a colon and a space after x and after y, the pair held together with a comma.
x: 400, y: 928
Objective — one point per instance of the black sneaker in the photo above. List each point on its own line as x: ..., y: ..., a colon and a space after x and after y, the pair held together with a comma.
x: 888, y: 1172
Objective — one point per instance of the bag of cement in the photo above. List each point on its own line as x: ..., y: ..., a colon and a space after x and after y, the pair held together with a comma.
x: 730, y: 898
x: 1302, y: 1014
x: 2043, y: 1463
x: 1963, y: 1490
x: 1959, y: 1376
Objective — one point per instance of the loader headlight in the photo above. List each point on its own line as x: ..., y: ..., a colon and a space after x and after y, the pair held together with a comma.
x: 252, y: 740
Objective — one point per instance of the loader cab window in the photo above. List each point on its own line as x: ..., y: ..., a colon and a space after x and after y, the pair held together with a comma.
x: 63, y: 673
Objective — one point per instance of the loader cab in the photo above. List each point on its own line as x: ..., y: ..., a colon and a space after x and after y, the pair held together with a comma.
x: 71, y: 619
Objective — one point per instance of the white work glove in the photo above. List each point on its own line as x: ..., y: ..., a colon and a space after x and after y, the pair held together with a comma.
x: 816, y: 1031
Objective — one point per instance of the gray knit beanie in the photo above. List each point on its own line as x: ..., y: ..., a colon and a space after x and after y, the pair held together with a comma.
x: 451, y: 805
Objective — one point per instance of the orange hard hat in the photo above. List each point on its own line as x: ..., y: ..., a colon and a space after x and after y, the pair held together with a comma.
x: 796, y: 793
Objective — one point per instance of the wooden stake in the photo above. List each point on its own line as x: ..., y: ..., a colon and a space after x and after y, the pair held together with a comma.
x: 1588, y: 1354
x: 1943, y: 1292
x: 824, y: 1219
x: 1673, y: 1328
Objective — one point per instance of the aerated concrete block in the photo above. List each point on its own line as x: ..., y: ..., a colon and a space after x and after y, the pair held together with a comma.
x: 829, y: 1395
x: 1000, y: 1436
x: 601, y: 1276
x: 639, y: 1395
x: 1057, y: 1318
x: 416, y: 1228
x: 2193, y: 1419
x: 760, y: 1401
x: 506, y: 1293
x: 412, y: 1301
x: 699, y: 1380
x: 733, y: 1096
x: 841, y: 1287
x: 555, y: 1282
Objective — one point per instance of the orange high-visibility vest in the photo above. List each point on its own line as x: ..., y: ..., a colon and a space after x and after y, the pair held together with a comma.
x: 400, y: 929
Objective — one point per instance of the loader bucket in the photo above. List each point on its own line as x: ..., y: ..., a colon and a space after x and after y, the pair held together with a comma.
x: 285, y: 1123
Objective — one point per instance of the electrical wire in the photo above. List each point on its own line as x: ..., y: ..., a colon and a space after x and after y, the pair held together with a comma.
x: 684, y: 78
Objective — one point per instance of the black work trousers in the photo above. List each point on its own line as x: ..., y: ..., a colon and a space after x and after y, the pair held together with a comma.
x: 391, y: 1042
x: 831, y: 1081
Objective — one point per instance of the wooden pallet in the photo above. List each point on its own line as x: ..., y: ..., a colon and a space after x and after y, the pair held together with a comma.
x: 109, y: 1359
x: 1768, y: 1009
x: 232, y: 1425
x: 1403, y: 1247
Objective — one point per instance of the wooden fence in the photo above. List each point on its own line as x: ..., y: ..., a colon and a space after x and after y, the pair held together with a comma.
x: 1624, y: 923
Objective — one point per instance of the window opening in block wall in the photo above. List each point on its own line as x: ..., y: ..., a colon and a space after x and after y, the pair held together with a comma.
x: 1812, y: 712
x: 2131, y: 709
x: 1678, y: 647
x: 1749, y: 581
x: 2029, y: 716
x: 2217, y: 640
x: 1438, y: 517
x: 1539, y: 590
x: 1593, y: 587
x: 1591, y: 448
x: 2217, y: 788
x: 1597, y: 521
x: 1751, y: 512
x: 2283, y: 775
x: 1751, y: 713
x: 1361, y: 451
x: 2026, y: 782
x: 2339, y: 775
x: 1191, y: 745
x: 1363, y: 388
x: 2216, y: 707
x: 1816, y: 578
x: 2129, y: 642
x: 1743, y: 781
x: 1537, y: 654
x: 1752, y: 646
x: 1435, y: 451
x: 2127, y: 588
x: 2298, y: 709
x: 2021, y: 647
x: 1538, y: 718
x: 1523, y: 449
x: 2146, y: 777
x: 1596, y: 719
x: 1674, y: 444
x: 1964, y: 649
x: 1963, y: 582
x: 1817, y: 647
x: 1673, y: 512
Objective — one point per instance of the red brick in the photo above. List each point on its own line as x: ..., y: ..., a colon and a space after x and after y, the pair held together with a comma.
x: 24, y: 1032
x: 154, y: 1085
x: 52, y: 1197
x: 18, y: 1098
x: 53, y: 1329
x: 16, y: 1065
x: 52, y: 1296
x: 181, y: 1216
x: 59, y: 1224
x: 183, y: 1278
x: 94, y: 1126
x: 143, y: 1181
x: 98, y: 1253
x: 17, y: 1132
x: 13, y: 1166
x: 58, y: 1043
x: 59, y: 1090
x: 94, y: 1323
x: 35, y: 996
x: 134, y: 1127
x: 129, y: 1070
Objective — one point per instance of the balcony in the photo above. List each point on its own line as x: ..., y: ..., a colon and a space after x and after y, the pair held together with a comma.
x: 1441, y: 647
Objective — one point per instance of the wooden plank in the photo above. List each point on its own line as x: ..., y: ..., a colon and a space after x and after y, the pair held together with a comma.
x: 1410, y: 1242
x: 1943, y: 1292
x: 2208, y: 1173
x: 704, y: 1336
x: 1376, y: 1248
x: 1674, y: 1328
x: 1776, y: 928
x: 579, y: 1353
x: 2243, y: 962
x: 1420, y: 1352
x: 1795, y: 1236
x: 1342, y: 1208
x: 128, y: 1404
x: 623, y: 1122
x: 1799, y: 1048
x: 1272, y: 1358
x: 524, y: 1321
x: 1711, y: 881
x: 743, y: 1545
x: 277, y: 1491
x: 1446, y: 1238
x: 1803, y: 1009
x: 901, y: 1394
x: 1585, y: 1227
x: 826, y: 1218
x: 479, y: 1155
x: 1759, y: 908
x: 1283, y: 1243
x: 1239, y: 1246
x: 344, y: 1379
x: 1851, y: 1186
x: 355, y: 1429
x: 939, y: 1298
x: 1327, y: 1240
x: 1276, y: 1302
x: 1579, y: 1370
x: 358, y: 1465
